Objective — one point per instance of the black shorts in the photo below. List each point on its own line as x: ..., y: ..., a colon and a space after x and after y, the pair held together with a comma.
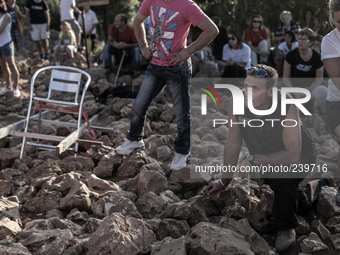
x: 333, y: 114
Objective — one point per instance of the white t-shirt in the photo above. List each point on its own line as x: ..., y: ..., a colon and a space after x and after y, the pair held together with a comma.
x: 330, y: 48
x: 240, y: 56
x: 5, y: 36
x: 90, y: 18
x: 66, y: 10
x: 284, y: 48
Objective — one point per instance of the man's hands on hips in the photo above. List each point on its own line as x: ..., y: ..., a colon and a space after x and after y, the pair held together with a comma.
x: 181, y: 57
x: 146, y: 51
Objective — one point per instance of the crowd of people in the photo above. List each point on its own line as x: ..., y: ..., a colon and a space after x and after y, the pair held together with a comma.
x: 297, y: 53
x: 38, y: 20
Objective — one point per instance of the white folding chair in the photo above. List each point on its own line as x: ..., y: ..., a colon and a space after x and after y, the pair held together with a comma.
x: 63, y: 79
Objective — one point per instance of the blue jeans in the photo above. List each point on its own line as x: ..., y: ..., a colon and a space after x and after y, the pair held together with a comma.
x: 133, y: 53
x: 178, y: 81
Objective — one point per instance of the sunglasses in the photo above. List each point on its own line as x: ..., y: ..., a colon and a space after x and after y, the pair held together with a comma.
x: 231, y: 38
x: 303, y: 40
x: 257, y: 21
x: 259, y: 72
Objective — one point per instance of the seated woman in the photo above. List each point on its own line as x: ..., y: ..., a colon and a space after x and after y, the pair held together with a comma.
x: 287, y: 24
x: 288, y: 45
x: 257, y: 38
x: 67, y: 42
x: 304, y: 62
x: 236, y: 55
x: 309, y: 21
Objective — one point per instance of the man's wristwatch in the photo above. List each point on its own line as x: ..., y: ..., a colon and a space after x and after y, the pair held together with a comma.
x: 251, y: 160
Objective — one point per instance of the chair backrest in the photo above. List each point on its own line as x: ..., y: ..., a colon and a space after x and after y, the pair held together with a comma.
x: 65, y: 82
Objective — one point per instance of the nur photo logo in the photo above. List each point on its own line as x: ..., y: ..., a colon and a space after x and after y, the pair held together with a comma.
x: 204, y: 97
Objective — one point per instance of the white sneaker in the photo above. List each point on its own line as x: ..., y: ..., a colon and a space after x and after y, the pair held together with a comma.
x: 5, y: 91
x: 129, y: 146
x: 57, y: 63
x: 16, y: 93
x: 179, y: 161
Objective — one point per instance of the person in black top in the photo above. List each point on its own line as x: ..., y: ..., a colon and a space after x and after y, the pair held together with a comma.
x: 220, y: 40
x: 304, y: 62
x: 271, y: 144
x: 38, y: 18
x: 15, y: 12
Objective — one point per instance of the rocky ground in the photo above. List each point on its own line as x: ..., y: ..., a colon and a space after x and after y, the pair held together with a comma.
x: 103, y: 203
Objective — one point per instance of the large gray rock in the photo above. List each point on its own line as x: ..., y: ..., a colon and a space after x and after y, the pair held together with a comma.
x: 8, y: 156
x: 242, y: 227
x: 336, y: 241
x: 213, y: 240
x: 107, y: 164
x: 326, y: 205
x: 151, y: 181
x: 79, y: 163
x: 96, y: 152
x: 44, y: 201
x: 318, y: 228
x: 150, y: 205
x: 14, y: 176
x: 25, y: 193
x: 183, y: 177
x: 63, y: 182
x: 169, y: 228
x: 112, y: 202
x: 313, y: 244
x: 132, y: 164
x: 100, y: 186
x: 11, y: 248
x: 8, y: 228
x: 53, y: 242
x: 78, y: 197
x: 9, y: 209
x: 120, y: 235
x: 170, y: 246
x: 191, y: 210
x: 48, y: 167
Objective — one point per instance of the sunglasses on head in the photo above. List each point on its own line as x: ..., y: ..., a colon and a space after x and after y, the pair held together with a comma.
x: 231, y: 38
x: 257, y: 21
x: 258, y: 72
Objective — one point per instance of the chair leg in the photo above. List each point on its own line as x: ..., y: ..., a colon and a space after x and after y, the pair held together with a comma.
x: 22, y: 147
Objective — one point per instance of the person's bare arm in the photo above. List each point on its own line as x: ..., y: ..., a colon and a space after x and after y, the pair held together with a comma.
x: 124, y: 45
x: 59, y: 11
x: 287, y: 74
x: 93, y: 27
x: 111, y: 41
x: 333, y: 69
x: 280, y: 53
x: 22, y: 16
x: 28, y: 19
x: 232, y: 150
x: 5, y: 22
x: 139, y: 29
x: 250, y: 44
x: 210, y: 31
x: 47, y: 15
x: 76, y: 9
x: 318, y: 79
x: 291, y: 137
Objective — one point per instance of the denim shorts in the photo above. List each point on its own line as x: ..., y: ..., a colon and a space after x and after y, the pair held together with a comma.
x: 7, y: 50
